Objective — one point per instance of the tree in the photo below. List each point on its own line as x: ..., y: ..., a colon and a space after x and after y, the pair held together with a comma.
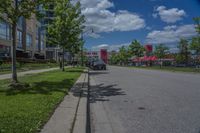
x: 114, y: 59
x: 197, y: 21
x: 136, y: 49
x: 65, y: 31
x: 195, y: 44
x: 11, y: 11
x: 123, y: 55
x: 160, y: 51
x: 183, y: 51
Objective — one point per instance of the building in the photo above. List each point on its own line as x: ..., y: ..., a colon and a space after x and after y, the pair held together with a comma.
x: 52, y: 52
x: 100, y: 54
x: 30, y: 39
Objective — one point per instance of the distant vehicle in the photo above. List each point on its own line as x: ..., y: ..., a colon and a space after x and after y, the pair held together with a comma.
x: 98, y: 65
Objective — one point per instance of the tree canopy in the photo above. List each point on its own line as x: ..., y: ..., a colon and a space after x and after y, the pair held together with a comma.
x: 136, y: 49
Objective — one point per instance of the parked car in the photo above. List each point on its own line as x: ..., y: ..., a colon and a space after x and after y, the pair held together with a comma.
x: 99, y: 65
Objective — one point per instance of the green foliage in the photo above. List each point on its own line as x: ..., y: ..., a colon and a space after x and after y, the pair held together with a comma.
x: 161, y: 50
x: 136, y: 49
x: 180, y: 58
x: 114, y: 59
x: 26, y: 110
x: 123, y: 55
x: 197, y: 21
x: 67, y: 26
x: 195, y: 45
x: 183, y: 55
x: 23, y: 8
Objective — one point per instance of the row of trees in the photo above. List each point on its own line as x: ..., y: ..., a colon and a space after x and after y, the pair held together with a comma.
x: 64, y: 31
x: 135, y: 49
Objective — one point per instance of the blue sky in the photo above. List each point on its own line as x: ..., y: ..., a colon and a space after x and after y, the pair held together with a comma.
x: 118, y: 22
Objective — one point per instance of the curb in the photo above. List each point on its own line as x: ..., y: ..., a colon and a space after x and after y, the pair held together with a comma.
x: 71, y: 115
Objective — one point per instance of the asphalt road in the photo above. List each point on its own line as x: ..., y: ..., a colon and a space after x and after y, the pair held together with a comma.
x: 126, y: 100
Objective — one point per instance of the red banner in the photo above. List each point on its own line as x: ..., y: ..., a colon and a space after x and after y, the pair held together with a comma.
x: 104, y: 55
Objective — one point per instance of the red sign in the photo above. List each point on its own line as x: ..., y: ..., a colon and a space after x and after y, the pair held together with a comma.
x: 148, y: 47
x: 104, y: 55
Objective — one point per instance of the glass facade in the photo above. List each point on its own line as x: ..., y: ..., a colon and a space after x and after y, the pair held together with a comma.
x: 20, y: 22
x: 36, y: 42
x: 4, y: 51
x: 5, y: 30
x: 37, y: 45
x: 28, y: 40
x: 19, y: 39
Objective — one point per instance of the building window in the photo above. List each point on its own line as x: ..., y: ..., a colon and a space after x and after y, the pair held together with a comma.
x: 19, y: 39
x: 4, y: 51
x: 28, y: 40
x: 4, y: 30
x: 20, y: 22
x: 42, y: 45
x: 37, y: 45
x: 42, y: 41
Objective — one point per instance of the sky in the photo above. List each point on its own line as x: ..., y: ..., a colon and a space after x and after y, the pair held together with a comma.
x: 115, y: 23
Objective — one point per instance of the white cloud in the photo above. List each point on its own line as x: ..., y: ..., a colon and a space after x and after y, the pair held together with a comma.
x: 112, y: 47
x: 169, y: 15
x: 171, y: 34
x: 101, y: 19
x: 148, y: 28
x: 171, y: 27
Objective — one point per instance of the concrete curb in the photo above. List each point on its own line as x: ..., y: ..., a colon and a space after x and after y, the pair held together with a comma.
x: 80, y: 124
x: 70, y: 116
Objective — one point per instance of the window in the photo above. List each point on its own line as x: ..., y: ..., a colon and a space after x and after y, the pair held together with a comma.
x: 19, y: 39
x: 42, y: 45
x: 37, y: 39
x: 4, y: 30
x: 37, y: 45
x: 20, y: 22
x: 28, y: 40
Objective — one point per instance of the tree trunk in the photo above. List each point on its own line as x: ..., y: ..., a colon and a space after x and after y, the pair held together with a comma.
x: 63, y: 60
x: 14, y: 70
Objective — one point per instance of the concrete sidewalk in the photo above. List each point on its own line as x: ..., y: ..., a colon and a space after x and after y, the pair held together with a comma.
x: 19, y: 74
x: 71, y: 115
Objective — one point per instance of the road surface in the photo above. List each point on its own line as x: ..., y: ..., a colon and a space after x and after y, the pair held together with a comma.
x: 126, y: 100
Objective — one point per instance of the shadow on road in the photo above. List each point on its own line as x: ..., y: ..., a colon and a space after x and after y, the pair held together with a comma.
x: 102, y: 93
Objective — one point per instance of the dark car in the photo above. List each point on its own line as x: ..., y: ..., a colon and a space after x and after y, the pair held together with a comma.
x: 99, y: 65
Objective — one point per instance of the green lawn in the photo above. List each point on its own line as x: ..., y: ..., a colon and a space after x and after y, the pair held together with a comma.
x: 27, y: 109
x: 173, y: 69
x: 27, y: 66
